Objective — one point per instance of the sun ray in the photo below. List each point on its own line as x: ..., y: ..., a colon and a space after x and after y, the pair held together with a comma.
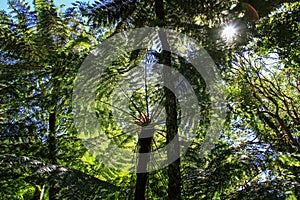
x: 229, y: 32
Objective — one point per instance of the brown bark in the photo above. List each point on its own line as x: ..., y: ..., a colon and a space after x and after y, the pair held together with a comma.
x: 144, y: 142
x: 52, y: 137
x: 174, y: 183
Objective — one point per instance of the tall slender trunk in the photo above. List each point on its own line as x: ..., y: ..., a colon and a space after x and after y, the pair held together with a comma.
x: 52, y: 146
x: 144, y: 142
x: 174, y: 175
x: 52, y: 137
x: 42, y: 192
x: 52, y: 142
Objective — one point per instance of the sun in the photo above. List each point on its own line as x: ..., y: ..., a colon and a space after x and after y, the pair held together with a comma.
x: 229, y: 32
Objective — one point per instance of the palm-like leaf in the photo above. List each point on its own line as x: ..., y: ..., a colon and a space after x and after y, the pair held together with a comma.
x: 62, y: 183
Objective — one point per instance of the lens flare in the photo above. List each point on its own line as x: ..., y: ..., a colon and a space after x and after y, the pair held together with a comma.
x: 229, y: 32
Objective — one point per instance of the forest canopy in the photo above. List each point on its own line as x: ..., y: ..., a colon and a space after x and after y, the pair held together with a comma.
x: 81, y: 83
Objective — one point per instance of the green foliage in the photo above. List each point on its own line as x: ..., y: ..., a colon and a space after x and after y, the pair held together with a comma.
x: 59, y: 182
x: 264, y: 94
x: 42, y: 48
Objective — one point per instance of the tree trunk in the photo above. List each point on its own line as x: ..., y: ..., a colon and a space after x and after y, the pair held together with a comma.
x: 42, y: 192
x: 174, y: 175
x: 52, y: 137
x: 144, y: 142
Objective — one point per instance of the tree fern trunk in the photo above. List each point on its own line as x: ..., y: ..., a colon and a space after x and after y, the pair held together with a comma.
x: 174, y: 184
x: 144, y: 142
